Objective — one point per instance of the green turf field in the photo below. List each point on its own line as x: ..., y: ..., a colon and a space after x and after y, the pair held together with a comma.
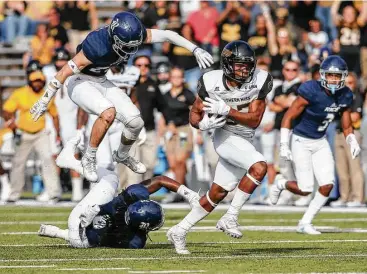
x: 212, y: 251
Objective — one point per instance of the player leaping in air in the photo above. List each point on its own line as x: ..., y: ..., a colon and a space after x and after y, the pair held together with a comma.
x: 88, y: 87
x: 318, y: 103
x: 101, y: 219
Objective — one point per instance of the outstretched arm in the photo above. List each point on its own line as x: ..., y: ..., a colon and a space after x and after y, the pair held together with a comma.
x: 203, y: 58
x: 155, y: 183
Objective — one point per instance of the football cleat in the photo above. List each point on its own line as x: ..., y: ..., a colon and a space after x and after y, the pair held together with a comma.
x: 90, y: 168
x: 177, y: 236
x: 130, y: 162
x: 229, y: 225
x: 48, y: 231
x: 307, y: 229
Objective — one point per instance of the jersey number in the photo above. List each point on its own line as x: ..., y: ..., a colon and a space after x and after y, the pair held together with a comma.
x: 239, y: 108
x: 329, y: 118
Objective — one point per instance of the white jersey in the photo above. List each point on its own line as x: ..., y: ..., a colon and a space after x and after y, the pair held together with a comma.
x: 213, y: 84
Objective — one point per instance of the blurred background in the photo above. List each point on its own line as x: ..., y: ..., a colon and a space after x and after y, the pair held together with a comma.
x: 290, y: 39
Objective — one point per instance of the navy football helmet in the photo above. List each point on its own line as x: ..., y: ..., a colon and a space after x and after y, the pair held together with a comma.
x: 334, y: 65
x: 145, y: 215
x: 127, y: 33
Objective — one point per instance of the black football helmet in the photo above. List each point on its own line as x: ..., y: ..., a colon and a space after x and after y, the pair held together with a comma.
x: 61, y: 54
x: 33, y: 65
x: 238, y: 52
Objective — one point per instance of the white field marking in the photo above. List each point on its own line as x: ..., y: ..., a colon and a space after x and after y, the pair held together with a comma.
x: 166, y: 271
x: 244, y: 228
x: 362, y: 255
x: 33, y: 214
x: 27, y: 266
x: 93, y: 269
x: 34, y: 222
x: 181, y: 206
x: 212, y: 243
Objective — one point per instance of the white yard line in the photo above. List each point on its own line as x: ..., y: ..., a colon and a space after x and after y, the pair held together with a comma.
x: 166, y: 271
x: 26, y: 266
x: 93, y: 269
x: 34, y: 222
x: 362, y: 255
x: 181, y: 206
x: 212, y: 243
x: 244, y: 228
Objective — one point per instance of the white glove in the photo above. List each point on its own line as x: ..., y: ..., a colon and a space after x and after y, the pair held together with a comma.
x: 86, y: 218
x: 203, y: 58
x: 216, y: 106
x: 142, y: 137
x: 285, y: 153
x: 355, y: 149
x: 212, y: 122
x: 80, y: 133
x: 38, y: 109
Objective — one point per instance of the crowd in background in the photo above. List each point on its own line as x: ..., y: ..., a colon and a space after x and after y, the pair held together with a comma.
x: 290, y: 39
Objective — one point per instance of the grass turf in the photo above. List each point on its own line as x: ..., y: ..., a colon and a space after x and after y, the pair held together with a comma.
x: 212, y: 252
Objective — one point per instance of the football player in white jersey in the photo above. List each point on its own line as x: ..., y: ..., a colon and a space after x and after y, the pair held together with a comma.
x: 231, y: 100
x: 67, y: 110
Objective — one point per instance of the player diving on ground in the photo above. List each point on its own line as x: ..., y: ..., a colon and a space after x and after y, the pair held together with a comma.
x: 101, y: 219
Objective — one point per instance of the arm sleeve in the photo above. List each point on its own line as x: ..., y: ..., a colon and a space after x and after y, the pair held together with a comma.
x: 201, y: 90
x: 11, y: 105
x: 357, y: 105
x: 160, y: 36
x: 266, y: 88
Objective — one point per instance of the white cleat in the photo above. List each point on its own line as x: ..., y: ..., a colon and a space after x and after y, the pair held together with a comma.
x: 307, y: 229
x: 48, y: 231
x: 130, y: 162
x: 275, y: 190
x: 177, y: 236
x: 90, y: 168
x: 66, y: 158
x: 230, y: 226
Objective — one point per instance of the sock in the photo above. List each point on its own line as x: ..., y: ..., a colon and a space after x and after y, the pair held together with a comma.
x: 77, y: 188
x: 316, y: 204
x: 185, y: 193
x: 239, y: 199
x: 123, y: 150
x: 91, y: 152
x: 5, y: 187
x: 196, y: 214
x: 63, y: 234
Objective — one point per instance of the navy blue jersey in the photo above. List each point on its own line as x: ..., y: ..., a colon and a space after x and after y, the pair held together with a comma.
x: 109, y: 228
x: 97, y: 47
x: 321, y: 110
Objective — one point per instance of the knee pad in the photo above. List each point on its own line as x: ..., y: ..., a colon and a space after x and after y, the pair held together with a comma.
x: 132, y: 126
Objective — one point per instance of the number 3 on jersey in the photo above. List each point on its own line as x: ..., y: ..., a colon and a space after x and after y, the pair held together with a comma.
x: 329, y: 118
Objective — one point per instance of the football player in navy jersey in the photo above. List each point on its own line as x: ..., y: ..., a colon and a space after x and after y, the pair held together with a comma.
x: 89, y: 89
x: 309, y: 155
x: 101, y: 219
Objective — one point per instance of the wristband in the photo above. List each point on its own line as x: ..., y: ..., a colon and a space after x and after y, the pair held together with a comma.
x: 73, y: 66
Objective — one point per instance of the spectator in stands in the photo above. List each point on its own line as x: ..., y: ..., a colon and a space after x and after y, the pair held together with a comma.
x: 80, y: 18
x: 16, y: 23
x: 323, y: 13
x: 33, y: 136
x: 42, y: 45
x: 162, y: 70
x: 349, y: 34
x: 281, y: 52
x: 174, y: 21
x: 316, y: 39
x: 161, y: 8
x: 303, y: 12
x: 56, y: 30
x: 264, y: 34
x: 350, y: 173
x: 187, y: 7
x: 178, y: 132
x: 285, y: 94
x: 282, y: 21
x: 233, y: 24
x: 203, y: 26
x: 179, y: 56
x: 148, y: 98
